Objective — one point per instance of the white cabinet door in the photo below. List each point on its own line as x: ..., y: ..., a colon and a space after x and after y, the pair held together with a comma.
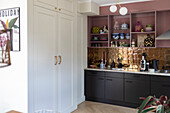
x: 45, y: 76
x: 49, y: 4
x: 66, y: 5
x: 67, y: 80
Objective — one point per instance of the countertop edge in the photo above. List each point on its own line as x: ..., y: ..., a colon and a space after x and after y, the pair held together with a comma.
x: 109, y: 70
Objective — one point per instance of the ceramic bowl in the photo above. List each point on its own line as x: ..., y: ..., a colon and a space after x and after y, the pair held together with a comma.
x: 93, y: 66
x: 115, y: 36
x: 122, y: 35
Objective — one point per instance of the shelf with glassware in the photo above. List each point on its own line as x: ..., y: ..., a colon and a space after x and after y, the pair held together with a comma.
x: 120, y: 31
x: 98, y: 31
x: 143, y: 29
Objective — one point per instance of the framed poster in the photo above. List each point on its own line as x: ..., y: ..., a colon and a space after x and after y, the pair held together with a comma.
x: 11, y: 17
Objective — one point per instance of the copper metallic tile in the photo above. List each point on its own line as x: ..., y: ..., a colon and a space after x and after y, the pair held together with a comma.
x: 167, y: 50
x: 167, y: 57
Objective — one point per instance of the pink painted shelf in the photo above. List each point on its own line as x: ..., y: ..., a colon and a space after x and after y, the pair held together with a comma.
x: 120, y: 29
x: 152, y: 32
x: 99, y: 34
x: 97, y: 47
x: 158, y: 19
x: 99, y: 42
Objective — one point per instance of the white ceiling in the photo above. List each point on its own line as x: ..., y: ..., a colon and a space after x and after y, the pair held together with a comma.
x: 109, y: 2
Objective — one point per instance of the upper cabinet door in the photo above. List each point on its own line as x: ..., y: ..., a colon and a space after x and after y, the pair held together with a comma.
x: 66, y: 6
x: 49, y: 4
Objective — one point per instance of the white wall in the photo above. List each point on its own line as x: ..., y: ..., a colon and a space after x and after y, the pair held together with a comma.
x: 81, y: 55
x: 13, y: 79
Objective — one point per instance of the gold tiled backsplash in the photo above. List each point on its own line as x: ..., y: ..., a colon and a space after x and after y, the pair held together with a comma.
x: 130, y: 56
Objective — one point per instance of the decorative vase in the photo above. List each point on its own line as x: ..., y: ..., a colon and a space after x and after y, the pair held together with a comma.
x: 116, y: 25
x: 128, y: 36
x: 124, y: 26
x: 149, y: 42
x: 138, y: 27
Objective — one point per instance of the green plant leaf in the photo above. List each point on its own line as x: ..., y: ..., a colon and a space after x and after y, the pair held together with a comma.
x: 12, y: 22
x: 152, y: 102
x: 167, y: 110
x: 160, y: 109
x: 15, y: 26
x: 149, y: 109
x: 144, y: 103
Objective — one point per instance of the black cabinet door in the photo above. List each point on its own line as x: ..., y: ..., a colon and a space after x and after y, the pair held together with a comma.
x: 160, y: 85
x: 160, y: 88
x: 94, y: 85
x: 114, y: 88
x: 134, y: 89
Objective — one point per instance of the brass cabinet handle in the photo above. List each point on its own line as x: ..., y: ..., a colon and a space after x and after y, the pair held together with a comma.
x: 59, y: 9
x: 60, y: 59
x: 55, y: 8
x: 56, y: 60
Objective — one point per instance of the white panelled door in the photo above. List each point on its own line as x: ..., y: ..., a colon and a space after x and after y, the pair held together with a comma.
x: 66, y: 79
x: 45, y: 76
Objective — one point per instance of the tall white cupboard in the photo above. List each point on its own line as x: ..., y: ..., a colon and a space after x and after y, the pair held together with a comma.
x: 52, y: 56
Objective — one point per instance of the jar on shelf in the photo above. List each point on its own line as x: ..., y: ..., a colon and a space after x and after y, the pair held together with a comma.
x: 127, y: 35
x: 112, y: 44
x: 133, y: 42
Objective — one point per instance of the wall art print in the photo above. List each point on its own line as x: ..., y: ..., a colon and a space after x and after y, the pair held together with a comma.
x: 11, y: 17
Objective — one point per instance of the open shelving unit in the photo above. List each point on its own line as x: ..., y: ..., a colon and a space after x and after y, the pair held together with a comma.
x: 158, y: 19
x: 97, y: 21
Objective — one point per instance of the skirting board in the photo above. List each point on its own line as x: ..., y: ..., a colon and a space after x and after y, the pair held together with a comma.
x: 80, y: 100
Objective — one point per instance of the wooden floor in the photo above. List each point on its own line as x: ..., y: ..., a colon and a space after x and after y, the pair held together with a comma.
x: 93, y: 107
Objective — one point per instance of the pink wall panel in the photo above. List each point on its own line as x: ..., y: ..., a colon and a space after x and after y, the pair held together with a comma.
x: 163, y: 22
x: 163, y: 43
x: 141, y: 6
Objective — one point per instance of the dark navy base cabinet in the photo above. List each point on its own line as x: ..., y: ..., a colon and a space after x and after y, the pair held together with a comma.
x: 124, y: 88
x: 136, y: 86
x: 114, y: 86
x: 94, y: 86
x: 160, y: 86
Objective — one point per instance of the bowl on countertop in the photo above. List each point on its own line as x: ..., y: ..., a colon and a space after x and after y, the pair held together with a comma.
x: 151, y: 70
x: 93, y: 66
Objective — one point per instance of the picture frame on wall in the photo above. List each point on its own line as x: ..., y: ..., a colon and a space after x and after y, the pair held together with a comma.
x: 11, y: 17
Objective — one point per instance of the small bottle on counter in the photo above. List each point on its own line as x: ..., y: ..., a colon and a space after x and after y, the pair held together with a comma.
x: 102, y: 65
x: 143, y: 62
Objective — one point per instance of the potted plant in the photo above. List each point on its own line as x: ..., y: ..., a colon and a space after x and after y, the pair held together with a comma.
x: 153, y: 104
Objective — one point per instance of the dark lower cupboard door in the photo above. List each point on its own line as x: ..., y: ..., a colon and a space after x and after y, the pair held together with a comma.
x: 114, y: 88
x: 134, y: 89
x: 94, y: 86
x: 160, y: 88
